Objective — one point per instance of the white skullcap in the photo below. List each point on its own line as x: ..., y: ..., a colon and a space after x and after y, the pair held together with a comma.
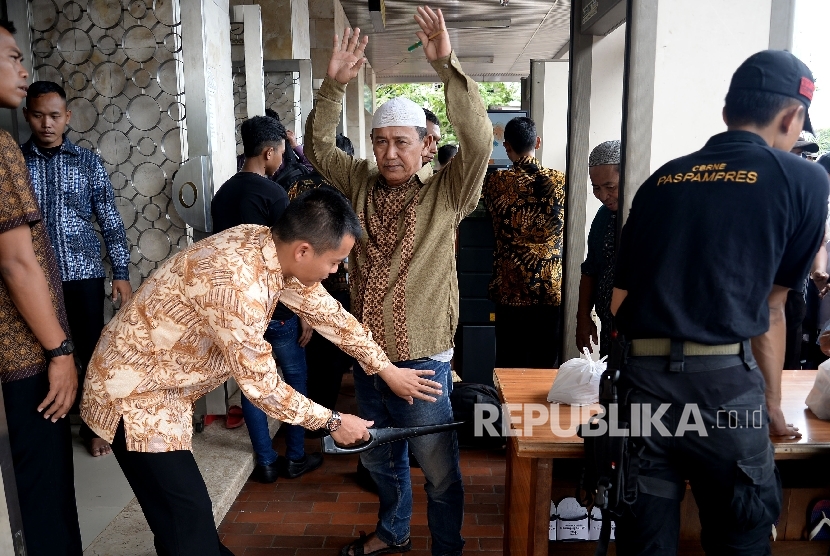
x: 397, y: 112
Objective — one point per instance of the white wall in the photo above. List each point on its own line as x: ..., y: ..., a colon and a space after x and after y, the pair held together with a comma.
x: 549, y: 109
x: 700, y: 43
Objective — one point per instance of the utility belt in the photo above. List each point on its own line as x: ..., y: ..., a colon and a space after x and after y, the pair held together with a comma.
x: 707, y: 357
x: 611, y: 476
x: 656, y: 347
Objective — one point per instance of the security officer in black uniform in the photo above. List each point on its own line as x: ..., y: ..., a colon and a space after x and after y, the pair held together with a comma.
x: 713, y: 242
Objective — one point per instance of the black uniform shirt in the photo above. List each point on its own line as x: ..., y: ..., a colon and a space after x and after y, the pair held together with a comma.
x: 710, y: 233
x: 248, y: 198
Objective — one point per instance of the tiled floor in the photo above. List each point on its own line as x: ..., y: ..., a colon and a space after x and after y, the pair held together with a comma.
x: 322, y: 511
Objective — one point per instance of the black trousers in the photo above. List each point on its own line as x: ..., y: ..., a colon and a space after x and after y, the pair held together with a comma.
x: 174, y: 498
x: 42, y: 459
x: 326, y: 364
x: 727, y: 457
x: 527, y: 337
x: 84, y: 300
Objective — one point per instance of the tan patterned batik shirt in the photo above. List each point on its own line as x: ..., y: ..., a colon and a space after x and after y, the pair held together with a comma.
x: 197, y: 320
x: 21, y: 354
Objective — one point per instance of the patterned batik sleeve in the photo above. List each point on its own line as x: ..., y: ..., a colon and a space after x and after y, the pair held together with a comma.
x: 18, y: 204
x: 236, y: 320
x: 112, y: 227
x: 328, y: 317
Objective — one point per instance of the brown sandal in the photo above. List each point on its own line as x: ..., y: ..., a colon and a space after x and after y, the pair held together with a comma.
x: 357, y: 547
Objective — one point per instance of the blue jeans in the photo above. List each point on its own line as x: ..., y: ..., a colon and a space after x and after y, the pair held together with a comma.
x: 437, y: 454
x: 283, y: 336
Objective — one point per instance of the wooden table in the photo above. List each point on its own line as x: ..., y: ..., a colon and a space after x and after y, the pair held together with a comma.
x: 530, y: 461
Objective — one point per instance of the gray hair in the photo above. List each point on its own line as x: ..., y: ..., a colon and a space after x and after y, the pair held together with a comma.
x: 605, y: 153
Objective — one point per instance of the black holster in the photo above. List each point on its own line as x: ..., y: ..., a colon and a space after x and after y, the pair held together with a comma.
x: 612, y: 458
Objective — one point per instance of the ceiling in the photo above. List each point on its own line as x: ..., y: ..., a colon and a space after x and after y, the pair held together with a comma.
x: 538, y: 30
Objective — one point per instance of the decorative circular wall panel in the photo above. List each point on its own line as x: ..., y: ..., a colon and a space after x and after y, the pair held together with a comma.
x: 120, y: 63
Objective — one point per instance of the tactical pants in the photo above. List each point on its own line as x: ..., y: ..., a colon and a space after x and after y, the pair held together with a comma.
x: 731, y: 471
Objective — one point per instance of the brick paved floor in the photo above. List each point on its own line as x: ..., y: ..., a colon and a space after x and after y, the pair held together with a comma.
x: 322, y: 511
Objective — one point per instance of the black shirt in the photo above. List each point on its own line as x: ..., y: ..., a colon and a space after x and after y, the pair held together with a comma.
x: 248, y: 198
x: 707, y: 237
x: 711, y: 232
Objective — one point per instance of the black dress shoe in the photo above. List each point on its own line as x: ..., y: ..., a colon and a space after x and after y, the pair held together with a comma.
x: 265, y: 473
x: 293, y: 469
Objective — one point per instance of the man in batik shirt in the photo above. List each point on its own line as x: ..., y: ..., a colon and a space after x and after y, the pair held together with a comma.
x: 527, y: 204
x: 200, y: 319
x: 37, y: 369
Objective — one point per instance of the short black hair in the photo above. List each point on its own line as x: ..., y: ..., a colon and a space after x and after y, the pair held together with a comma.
x: 40, y: 88
x: 752, y: 107
x: 521, y: 134
x: 271, y: 114
x: 445, y: 153
x: 824, y: 162
x: 8, y: 26
x: 431, y: 117
x: 321, y: 217
x: 344, y: 144
x: 259, y: 133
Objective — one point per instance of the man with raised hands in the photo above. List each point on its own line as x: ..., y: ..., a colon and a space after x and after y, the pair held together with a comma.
x: 404, y: 284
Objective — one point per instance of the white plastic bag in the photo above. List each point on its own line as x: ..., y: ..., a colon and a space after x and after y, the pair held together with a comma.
x: 818, y: 400
x: 577, y: 382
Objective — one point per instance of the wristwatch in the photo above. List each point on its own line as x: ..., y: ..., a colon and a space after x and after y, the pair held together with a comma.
x: 334, y: 422
x: 66, y: 348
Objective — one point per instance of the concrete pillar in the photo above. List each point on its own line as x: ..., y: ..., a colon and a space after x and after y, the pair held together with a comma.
x: 285, y: 28
x: 285, y: 36
x: 676, y: 82
x: 251, y: 17
x: 356, y: 114
x: 326, y: 17
x: 370, y: 105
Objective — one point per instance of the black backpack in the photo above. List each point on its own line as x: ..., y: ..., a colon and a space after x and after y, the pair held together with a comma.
x: 292, y: 171
x: 464, y: 398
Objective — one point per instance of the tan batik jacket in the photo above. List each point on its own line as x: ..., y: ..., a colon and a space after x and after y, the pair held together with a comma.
x: 196, y: 321
x: 402, y: 271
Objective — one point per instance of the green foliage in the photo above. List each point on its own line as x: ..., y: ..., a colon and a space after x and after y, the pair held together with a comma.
x: 431, y: 96
x: 823, y: 139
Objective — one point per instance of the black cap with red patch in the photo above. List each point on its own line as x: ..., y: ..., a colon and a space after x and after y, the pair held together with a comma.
x: 777, y: 71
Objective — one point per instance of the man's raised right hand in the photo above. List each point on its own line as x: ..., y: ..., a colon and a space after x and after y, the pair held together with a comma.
x: 352, y: 430
x: 347, y: 56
